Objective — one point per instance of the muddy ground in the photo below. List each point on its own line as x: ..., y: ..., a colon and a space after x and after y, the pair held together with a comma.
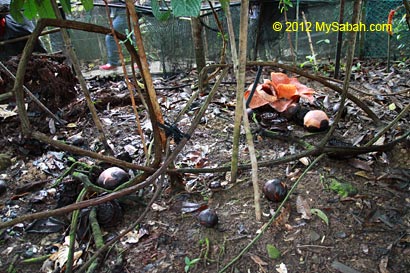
x: 367, y: 231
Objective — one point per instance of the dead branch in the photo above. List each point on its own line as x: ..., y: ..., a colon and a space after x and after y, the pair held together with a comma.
x: 138, y: 182
x: 34, y: 98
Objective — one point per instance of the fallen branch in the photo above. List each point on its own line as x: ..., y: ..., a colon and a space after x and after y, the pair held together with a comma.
x: 273, y: 218
x: 34, y: 98
x: 138, y: 179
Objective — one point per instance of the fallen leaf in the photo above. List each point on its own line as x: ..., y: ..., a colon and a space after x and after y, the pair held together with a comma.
x: 134, y: 236
x: 343, y: 189
x: 5, y: 113
x: 258, y: 260
x: 157, y: 207
x: 281, y: 268
x: 273, y: 252
x: 283, y: 217
x: 364, y: 175
x: 321, y: 215
x: 360, y: 164
x: 303, y: 208
x: 384, y: 261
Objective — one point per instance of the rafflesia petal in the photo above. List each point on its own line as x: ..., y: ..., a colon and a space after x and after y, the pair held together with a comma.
x: 264, y: 94
x: 302, y: 90
x: 279, y: 78
x: 279, y: 92
x: 286, y: 91
x: 281, y: 104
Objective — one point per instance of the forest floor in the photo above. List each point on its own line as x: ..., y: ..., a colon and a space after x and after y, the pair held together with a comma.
x: 366, y: 231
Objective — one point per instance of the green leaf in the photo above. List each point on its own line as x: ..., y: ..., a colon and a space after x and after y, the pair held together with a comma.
x: 186, y: 268
x: 15, y: 10
x: 66, y: 5
x: 88, y: 4
x: 44, y: 8
x: 321, y: 215
x: 343, y: 189
x: 160, y: 15
x: 392, y: 106
x: 188, y: 8
x: 273, y: 252
x: 187, y: 260
x: 30, y: 9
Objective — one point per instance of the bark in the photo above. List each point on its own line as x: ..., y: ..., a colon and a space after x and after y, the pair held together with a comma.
x: 196, y: 28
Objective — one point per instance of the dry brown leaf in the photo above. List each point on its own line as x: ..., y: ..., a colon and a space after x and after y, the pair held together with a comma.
x: 257, y: 260
x: 302, y: 207
x: 283, y: 217
x: 360, y: 164
x: 384, y: 261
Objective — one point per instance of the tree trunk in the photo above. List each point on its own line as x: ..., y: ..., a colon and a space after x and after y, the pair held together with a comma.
x: 198, y: 43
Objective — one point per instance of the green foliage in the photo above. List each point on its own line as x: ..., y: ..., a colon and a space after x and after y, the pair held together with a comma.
x: 40, y: 8
x: 326, y: 41
x: 160, y: 15
x: 285, y: 4
x: 343, y: 189
x: 189, y: 8
x: 190, y: 263
x: 321, y: 215
x: 401, y: 30
x: 273, y: 252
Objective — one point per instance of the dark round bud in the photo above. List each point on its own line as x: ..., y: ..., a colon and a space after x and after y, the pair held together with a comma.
x: 208, y: 218
x: 112, y: 178
x: 275, y: 190
x: 109, y: 214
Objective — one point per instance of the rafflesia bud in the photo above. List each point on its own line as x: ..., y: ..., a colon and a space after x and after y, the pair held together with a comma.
x: 275, y: 190
x: 316, y: 121
x: 208, y: 218
x: 112, y: 178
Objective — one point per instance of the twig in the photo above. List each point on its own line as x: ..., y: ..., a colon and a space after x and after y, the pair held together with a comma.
x: 73, y: 231
x: 387, y: 127
x: 343, y: 151
x: 240, y: 77
x: 249, y: 137
x: 81, y: 80
x: 318, y: 246
x: 366, y: 93
x: 310, y: 43
x: 34, y: 98
x: 273, y: 218
x: 349, y: 63
x: 292, y: 50
x: 153, y: 106
x: 138, y: 179
x: 254, y: 163
x: 98, y: 237
x: 26, y: 37
x: 127, y: 81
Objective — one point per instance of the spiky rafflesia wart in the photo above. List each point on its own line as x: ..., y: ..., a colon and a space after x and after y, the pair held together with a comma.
x: 275, y: 190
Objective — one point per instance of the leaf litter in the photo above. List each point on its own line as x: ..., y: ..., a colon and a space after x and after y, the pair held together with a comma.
x: 172, y: 235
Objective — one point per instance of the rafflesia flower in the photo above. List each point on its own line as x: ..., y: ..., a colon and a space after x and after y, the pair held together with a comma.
x: 279, y: 92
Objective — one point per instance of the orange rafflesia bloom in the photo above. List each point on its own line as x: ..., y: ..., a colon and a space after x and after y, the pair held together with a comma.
x: 279, y: 92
